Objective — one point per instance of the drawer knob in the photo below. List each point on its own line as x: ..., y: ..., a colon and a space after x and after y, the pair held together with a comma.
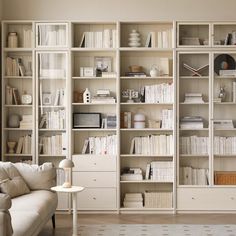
x: 94, y: 180
x: 94, y: 198
x: 193, y: 198
x: 95, y: 163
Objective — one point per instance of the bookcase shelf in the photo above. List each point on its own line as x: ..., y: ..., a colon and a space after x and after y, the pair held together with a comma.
x: 145, y: 182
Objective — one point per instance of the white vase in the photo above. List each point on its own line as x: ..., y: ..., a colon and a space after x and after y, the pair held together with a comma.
x: 86, y: 96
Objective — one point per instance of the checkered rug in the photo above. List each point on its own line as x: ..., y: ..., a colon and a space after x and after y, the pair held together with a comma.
x: 156, y: 230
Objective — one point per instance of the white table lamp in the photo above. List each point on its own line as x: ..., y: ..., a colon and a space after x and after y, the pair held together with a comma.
x: 66, y: 164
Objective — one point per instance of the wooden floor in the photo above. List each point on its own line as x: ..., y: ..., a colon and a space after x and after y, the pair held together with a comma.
x: 64, y: 221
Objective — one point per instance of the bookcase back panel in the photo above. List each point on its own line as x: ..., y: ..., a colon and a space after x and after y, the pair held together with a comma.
x: 21, y: 31
x: 88, y: 59
x: 144, y: 30
x: 146, y: 60
x: 223, y: 163
x: 55, y: 160
x: 195, y: 162
x: 194, y: 35
x: 80, y: 28
x: 225, y: 112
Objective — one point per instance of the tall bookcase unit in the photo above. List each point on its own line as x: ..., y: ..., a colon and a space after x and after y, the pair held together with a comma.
x: 205, y: 99
x: 133, y: 137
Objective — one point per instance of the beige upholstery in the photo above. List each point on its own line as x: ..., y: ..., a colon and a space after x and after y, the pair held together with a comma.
x: 26, y: 215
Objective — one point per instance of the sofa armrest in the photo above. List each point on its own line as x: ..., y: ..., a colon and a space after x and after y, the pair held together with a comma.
x: 5, y: 217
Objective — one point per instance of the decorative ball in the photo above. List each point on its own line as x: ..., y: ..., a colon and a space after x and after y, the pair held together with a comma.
x: 14, y: 121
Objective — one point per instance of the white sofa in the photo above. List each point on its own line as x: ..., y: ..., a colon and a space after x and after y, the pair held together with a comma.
x: 26, y: 213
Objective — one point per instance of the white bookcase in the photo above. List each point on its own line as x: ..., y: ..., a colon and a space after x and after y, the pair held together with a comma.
x: 62, y: 59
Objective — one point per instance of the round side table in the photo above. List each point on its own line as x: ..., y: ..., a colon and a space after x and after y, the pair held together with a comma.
x: 73, y: 190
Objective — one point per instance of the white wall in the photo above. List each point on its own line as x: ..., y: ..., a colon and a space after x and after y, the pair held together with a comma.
x: 120, y: 9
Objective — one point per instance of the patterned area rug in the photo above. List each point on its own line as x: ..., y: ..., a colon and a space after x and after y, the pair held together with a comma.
x: 156, y: 230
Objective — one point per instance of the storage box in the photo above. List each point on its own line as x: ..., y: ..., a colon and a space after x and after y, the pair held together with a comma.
x: 158, y: 199
x: 225, y: 177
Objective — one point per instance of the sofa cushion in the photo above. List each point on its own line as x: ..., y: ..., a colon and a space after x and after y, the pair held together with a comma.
x: 38, y: 177
x: 5, y: 201
x: 11, y: 182
x: 42, y: 202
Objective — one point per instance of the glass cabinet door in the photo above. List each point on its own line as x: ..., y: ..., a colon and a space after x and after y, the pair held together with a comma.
x: 52, y: 35
x: 52, y: 98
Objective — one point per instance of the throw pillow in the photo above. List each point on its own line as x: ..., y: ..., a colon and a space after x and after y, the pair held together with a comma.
x: 38, y: 177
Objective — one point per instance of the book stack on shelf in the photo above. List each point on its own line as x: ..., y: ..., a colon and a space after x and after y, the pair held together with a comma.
x: 161, y: 39
x: 159, y: 93
x: 109, y: 122
x: 161, y: 171
x: 152, y: 145
x: 101, y: 145
x: 53, y: 145
x: 27, y: 38
x: 26, y: 122
x: 191, y: 122
x: 193, y: 98
x: 50, y: 35
x: 12, y: 96
x: 24, y: 145
x: 158, y: 199
x: 193, y: 176
x: 133, y: 200
x: 53, y: 120
x: 224, y: 145
x: 167, y: 119
x: 194, y: 145
x: 223, y: 124
x: 99, y: 39
x: 126, y: 119
x: 103, y: 96
x: 132, y: 174
x: 135, y: 74
x: 14, y: 67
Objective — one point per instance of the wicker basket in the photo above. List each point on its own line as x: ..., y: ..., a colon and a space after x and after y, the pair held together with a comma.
x: 158, y: 199
x: 225, y: 177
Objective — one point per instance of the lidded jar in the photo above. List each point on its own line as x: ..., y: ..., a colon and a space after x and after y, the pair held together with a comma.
x: 12, y: 40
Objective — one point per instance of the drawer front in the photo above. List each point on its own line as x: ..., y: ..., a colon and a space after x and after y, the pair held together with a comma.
x: 97, y: 199
x: 94, y: 163
x: 206, y: 199
x: 95, y: 179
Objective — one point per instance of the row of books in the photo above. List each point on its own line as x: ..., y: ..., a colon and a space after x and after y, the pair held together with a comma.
x: 27, y: 38
x: 160, y: 171
x: 109, y: 122
x: 133, y: 200
x: 56, y: 99
x: 26, y: 122
x: 224, y: 145
x: 191, y: 122
x: 158, y: 199
x: 132, y: 174
x: 99, y: 39
x: 152, y: 145
x: 193, y: 176
x: 53, y: 120
x: 14, y: 67
x: 159, y: 93
x: 160, y: 39
x: 50, y: 35
x: 194, y: 145
x: 24, y: 145
x: 12, y: 96
x: 60, y: 176
x: 53, y: 145
x: 100, y: 145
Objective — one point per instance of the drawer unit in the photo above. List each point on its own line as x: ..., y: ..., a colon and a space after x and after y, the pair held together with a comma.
x: 97, y: 199
x: 204, y: 199
x: 94, y: 163
x: 95, y: 179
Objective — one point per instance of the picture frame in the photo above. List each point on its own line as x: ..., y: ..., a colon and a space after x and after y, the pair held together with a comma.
x: 102, y: 64
x: 83, y: 120
x: 47, y: 98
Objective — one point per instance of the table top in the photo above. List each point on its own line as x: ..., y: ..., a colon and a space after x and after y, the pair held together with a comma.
x: 73, y: 189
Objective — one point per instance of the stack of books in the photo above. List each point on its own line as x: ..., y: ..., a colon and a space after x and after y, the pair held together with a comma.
x: 224, y: 145
x: 26, y: 122
x: 24, y: 145
x: 133, y: 200
x: 191, y: 122
x: 109, y: 122
x: 193, y: 98
x: 103, y: 96
x: 223, y: 124
x: 193, y: 176
x: 132, y: 174
x: 14, y: 67
x: 135, y: 74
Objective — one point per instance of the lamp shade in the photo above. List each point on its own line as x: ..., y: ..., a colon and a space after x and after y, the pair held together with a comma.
x: 66, y: 163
